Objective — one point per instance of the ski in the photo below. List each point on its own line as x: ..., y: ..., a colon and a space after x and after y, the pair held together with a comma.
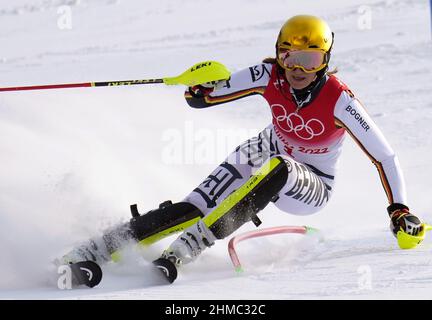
x: 167, y: 269
x: 87, y: 273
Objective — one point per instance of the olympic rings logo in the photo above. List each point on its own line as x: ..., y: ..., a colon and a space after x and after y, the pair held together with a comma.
x: 293, y: 122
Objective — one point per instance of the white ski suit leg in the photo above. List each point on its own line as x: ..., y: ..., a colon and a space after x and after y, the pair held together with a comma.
x: 235, y: 170
x: 304, y: 192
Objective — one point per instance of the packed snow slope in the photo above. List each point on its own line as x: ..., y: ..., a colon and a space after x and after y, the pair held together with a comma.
x: 72, y: 161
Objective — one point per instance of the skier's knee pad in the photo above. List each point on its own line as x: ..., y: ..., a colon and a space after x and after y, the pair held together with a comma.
x: 254, y: 195
x: 169, y: 218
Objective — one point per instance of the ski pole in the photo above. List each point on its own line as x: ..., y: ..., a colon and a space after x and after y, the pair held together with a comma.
x: 199, y: 73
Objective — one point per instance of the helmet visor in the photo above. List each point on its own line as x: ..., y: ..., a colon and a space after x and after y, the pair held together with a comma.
x: 308, y: 60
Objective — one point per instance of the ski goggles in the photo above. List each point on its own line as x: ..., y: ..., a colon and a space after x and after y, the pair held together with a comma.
x: 309, y: 61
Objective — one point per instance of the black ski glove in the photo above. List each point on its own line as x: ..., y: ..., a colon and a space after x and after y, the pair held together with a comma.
x: 202, y: 90
x: 402, y: 219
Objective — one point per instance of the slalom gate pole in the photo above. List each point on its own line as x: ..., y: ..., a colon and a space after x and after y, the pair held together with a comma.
x: 261, y: 233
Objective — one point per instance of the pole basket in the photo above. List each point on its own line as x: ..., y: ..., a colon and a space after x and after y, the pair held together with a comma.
x: 261, y: 233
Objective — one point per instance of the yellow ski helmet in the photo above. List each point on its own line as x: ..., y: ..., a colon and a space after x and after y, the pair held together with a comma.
x: 305, y: 33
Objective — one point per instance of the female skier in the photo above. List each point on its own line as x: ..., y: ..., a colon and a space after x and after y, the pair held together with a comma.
x: 291, y: 163
x: 312, y: 111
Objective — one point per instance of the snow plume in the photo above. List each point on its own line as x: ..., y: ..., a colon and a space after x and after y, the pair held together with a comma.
x: 59, y: 177
x: 47, y: 187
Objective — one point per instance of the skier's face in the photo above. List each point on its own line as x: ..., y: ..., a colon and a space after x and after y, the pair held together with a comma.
x: 298, y: 79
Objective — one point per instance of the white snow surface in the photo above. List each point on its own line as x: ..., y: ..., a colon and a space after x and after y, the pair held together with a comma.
x: 73, y: 160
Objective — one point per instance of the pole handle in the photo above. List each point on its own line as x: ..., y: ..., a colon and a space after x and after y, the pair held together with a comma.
x: 207, y: 71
